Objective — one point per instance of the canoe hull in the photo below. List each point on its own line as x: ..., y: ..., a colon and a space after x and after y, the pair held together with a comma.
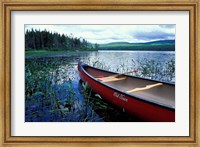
x: 138, y: 108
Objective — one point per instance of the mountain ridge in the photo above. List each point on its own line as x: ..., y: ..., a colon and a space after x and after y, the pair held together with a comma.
x: 150, y: 42
x: 162, y: 45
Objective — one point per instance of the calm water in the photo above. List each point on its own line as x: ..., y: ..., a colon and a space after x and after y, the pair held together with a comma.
x: 65, y: 79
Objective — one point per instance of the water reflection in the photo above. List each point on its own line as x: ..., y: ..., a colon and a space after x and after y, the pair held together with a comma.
x: 54, y: 91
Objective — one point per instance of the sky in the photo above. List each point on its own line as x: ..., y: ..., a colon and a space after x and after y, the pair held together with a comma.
x: 102, y: 34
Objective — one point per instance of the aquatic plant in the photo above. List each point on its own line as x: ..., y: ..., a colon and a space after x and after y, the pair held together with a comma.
x: 162, y: 71
x: 51, y: 95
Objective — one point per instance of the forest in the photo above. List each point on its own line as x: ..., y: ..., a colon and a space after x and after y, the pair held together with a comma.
x: 45, y: 40
x: 36, y: 40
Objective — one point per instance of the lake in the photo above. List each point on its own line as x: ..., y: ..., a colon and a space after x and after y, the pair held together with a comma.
x: 54, y: 91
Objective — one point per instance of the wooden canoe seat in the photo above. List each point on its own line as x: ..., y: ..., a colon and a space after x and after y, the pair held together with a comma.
x: 144, y: 88
x: 110, y: 79
x: 113, y: 78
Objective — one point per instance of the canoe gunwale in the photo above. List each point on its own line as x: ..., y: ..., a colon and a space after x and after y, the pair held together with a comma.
x: 133, y: 96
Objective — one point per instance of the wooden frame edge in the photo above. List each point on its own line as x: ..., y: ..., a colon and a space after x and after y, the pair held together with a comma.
x: 1, y: 75
x: 5, y: 52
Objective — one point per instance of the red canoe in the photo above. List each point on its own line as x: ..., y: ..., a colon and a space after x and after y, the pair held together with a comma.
x: 146, y: 99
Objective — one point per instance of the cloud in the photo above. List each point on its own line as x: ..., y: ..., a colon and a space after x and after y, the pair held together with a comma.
x: 112, y: 33
x: 167, y: 26
x: 154, y: 35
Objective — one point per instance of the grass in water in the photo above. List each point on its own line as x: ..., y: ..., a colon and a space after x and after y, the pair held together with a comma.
x: 51, y: 95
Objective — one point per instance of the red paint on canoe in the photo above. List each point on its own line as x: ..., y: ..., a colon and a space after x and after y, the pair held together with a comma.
x: 144, y: 110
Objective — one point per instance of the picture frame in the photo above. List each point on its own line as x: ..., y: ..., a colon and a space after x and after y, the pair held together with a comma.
x: 49, y: 5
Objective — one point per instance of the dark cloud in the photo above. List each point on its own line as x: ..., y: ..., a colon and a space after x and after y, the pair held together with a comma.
x: 153, y: 35
x: 168, y: 26
x: 115, y: 38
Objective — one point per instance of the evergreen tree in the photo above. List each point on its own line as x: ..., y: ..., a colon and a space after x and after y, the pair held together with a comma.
x: 45, y: 40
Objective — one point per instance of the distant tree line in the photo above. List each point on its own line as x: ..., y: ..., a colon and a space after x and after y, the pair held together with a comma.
x: 44, y: 40
x: 143, y: 47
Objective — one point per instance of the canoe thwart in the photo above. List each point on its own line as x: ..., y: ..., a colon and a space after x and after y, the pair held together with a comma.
x: 110, y: 79
x: 144, y: 88
x: 116, y: 75
x: 160, y: 99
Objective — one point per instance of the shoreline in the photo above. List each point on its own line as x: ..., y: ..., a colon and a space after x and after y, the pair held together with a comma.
x: 44, y: 53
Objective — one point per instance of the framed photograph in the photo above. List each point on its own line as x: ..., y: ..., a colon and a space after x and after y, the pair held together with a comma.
x: 99, y: 73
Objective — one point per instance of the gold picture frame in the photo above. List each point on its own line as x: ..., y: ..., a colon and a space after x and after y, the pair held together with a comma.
x: 118, y: 5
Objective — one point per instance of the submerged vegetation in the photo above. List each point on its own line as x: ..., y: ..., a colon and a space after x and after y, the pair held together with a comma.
x: 50, y: 94
x: 53, y: 91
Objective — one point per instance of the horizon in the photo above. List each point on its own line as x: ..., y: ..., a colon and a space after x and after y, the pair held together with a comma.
x: 139, y: 42
x: 104, y: 34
